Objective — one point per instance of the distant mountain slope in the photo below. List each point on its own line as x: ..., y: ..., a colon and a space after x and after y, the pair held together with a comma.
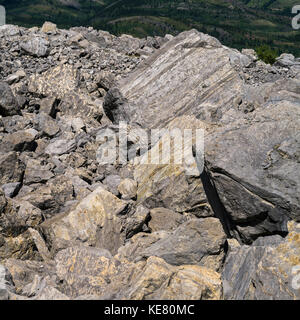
x: 237, y: 23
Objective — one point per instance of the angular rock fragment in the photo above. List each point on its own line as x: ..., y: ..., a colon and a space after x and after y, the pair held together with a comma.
x: 6, y: 283
x: 60, y: 147
x: 197, y: 241
x: 36, y: 46
x: 11, y: 189
x: 46, y: 125
x: 49, y: 27
x: 21, y: 247
x: 8, y: 102
x: 96, y: 221
x: 11, y: 168
x: 36, y: 172
x: 23, y: 140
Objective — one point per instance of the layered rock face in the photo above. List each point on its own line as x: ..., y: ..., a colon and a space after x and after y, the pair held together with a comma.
x: 221, y: 224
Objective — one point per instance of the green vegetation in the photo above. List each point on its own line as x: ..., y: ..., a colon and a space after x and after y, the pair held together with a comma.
x: 267, y: 54
x: 236, y: 23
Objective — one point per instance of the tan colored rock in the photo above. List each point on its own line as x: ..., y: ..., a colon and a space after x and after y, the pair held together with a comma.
x: 86, y: 270
x: 128, y: 189
x: 27, y: 275
x: 94, y: 221
x: 19, y: 247
x: 91, y: 272
x: 159, y: 280
x: 40, y: 244
x: 176, y: 186
x: 49, y: 27
x: 55, y: 82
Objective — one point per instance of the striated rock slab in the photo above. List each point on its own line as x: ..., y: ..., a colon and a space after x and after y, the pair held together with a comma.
x: 197, y: 241
x: 267, y: 270
x: 192, y: 74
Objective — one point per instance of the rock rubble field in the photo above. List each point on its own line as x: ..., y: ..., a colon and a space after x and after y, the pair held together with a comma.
x: 73, y: 228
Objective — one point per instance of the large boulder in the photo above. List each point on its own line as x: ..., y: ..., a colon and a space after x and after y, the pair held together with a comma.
x: 169, y: 177
x: 192, y: 74
x: 254, y: 165
x: 251, y: 183
x: 96, y: 221
x: 197, y: 241
x: 267, y: 270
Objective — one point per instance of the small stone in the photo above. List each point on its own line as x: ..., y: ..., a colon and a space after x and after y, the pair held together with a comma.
x: 49, y: 27
x: 128, y: 189
x: 11, y: 189
x: 36, y: 46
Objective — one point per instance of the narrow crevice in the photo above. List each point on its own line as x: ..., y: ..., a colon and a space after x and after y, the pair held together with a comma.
x: 216, y: 204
